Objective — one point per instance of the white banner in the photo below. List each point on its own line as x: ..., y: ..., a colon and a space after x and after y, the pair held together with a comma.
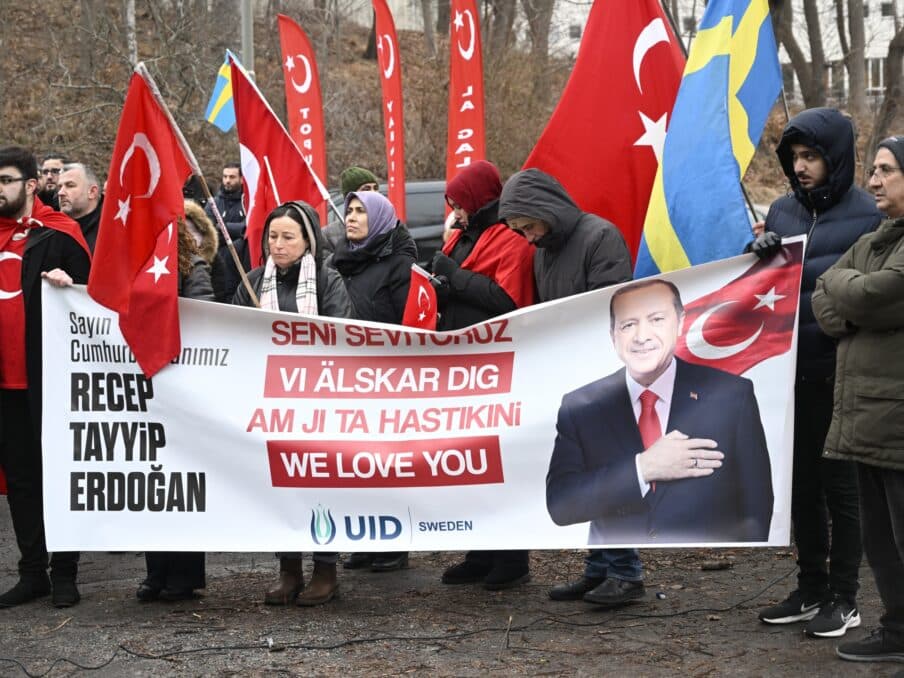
x: 279, y: 432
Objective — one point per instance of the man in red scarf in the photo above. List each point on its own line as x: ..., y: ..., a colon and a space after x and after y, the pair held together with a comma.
x: 35, y: 242
x: 485, y: 269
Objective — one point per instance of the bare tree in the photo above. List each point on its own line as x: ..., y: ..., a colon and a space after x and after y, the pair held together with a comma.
x: 86, y: 47
x: 443, y: 11
x: 429, y: 39
x: 539, y: 18
x: 810, y: 74
x: 131, y: 38
x: 498, y: 22
x: 854, y: 52
x: 892, y: 109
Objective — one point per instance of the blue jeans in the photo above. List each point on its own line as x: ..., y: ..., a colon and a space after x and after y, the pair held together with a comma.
x: 621, y: 564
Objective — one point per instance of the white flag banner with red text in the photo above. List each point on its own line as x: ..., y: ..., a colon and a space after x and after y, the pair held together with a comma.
x: 275, y: 431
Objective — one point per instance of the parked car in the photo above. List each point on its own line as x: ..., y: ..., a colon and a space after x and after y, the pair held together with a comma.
x: 426, y: 206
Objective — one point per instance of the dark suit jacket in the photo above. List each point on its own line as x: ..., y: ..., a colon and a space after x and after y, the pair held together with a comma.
x: 592, y: 474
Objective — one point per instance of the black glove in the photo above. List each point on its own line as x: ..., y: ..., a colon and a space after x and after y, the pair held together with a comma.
x: 443, y: 265
x: 440, y: 284
x: 767, y: 245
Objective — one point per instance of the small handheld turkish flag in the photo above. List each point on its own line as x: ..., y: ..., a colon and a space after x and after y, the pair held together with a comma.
x: 748, y: 320
x: 420, y: 308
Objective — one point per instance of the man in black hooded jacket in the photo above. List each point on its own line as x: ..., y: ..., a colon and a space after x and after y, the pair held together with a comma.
x: 816, y: 152
x: 576, y: 252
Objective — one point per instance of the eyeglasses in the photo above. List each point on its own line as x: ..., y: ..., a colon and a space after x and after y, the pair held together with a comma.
x: 882, y: 171
x: 51, y: 170
x: 6, y: 180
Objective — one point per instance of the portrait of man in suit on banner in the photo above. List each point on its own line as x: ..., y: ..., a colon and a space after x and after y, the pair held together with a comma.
x: 661, y: 451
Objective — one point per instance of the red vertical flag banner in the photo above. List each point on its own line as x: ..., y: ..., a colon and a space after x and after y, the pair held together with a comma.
x: 605, y: 138
x: 135, y: 261
x: 393, y: 122
x: 304, y: 105
x: 465, y: 136
x: 273, y: 168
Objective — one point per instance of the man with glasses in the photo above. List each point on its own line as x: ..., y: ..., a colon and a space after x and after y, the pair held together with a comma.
x: 49, y: 179
x: 860, y: 303
x: 816, y: 152
x: 35, y: 242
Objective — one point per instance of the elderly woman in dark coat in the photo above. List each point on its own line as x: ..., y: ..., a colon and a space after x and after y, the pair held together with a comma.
x: 374, y: 258
x: 295, y: 278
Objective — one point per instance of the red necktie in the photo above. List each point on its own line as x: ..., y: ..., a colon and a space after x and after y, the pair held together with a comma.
x: 648, y: 423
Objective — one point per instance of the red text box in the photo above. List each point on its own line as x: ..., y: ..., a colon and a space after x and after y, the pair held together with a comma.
x: 473, y: 460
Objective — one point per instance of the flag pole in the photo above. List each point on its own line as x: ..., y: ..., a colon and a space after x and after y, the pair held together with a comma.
x: 668, y: 13
x: 196, y: 171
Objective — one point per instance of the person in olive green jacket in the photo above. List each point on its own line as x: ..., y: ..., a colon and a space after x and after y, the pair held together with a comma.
x: 860, y: 302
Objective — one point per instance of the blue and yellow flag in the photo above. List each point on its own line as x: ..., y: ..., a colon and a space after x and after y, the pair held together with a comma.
x: 220, y: 109
x: 732, y: 77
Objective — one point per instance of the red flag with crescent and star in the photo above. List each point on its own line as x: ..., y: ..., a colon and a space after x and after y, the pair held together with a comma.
x: 420, y: 307
x: 304, y: 106
x: 604, y: 140
x: 390, y: 65
x: 273, y: 168
x: 136, y: 259
x: 465, y: 133
x: 747, y: 321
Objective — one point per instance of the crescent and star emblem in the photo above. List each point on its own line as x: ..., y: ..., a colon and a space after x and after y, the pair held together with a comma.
x: 290, y: 64
x: 141, y: 141
x: 466, y: 54
x: 6, y: 294
x: 654, y: 130
x: 423, y: 303
x: 697, y: 344
x: 390, y: 60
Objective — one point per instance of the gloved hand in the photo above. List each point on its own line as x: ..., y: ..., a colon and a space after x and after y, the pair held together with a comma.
x: 443, y: 265
x: 767, y: 245
x: 443, y: 290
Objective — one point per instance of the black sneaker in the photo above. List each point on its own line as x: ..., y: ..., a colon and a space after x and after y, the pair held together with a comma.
x: 878, y: 646
x: 64, y: 592
x: 26, y: 590
x: 835, y: 617
x: 793, y: 609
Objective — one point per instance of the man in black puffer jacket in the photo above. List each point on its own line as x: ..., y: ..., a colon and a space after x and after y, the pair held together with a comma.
x: 817, y: 155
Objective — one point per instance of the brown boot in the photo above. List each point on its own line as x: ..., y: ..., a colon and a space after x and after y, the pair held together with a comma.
x: 322, y: 587
x: 290, y: 583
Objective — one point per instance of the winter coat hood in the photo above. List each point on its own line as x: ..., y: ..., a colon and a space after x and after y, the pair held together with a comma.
x: 538, y: 195
x: 831, y: 134
x: 209, y: 238
x: 475, y: 186
x: 313, y: 233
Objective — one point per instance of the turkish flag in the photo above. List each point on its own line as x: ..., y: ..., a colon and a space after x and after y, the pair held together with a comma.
x: 304, y: 105
x: 143, y: 197
x: 748, y: 320
x: 155, y: 294
x: 465, y: 131
x: 390, y: 65
x: 273, y: 168
x: 420, y: 307
x: 604, y: 140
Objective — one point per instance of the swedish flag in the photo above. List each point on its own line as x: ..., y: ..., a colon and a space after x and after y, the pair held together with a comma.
x: 220, y: 109
x: 732, y: 77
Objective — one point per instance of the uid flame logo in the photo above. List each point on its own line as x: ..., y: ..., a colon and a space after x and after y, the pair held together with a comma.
x: 323, y: 527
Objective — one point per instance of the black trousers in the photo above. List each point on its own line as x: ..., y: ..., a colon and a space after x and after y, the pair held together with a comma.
x: 882, y: 517
x: 501, y: 558
x: 20, y: 457
x: 824, y: 503
x: 175, y: 570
